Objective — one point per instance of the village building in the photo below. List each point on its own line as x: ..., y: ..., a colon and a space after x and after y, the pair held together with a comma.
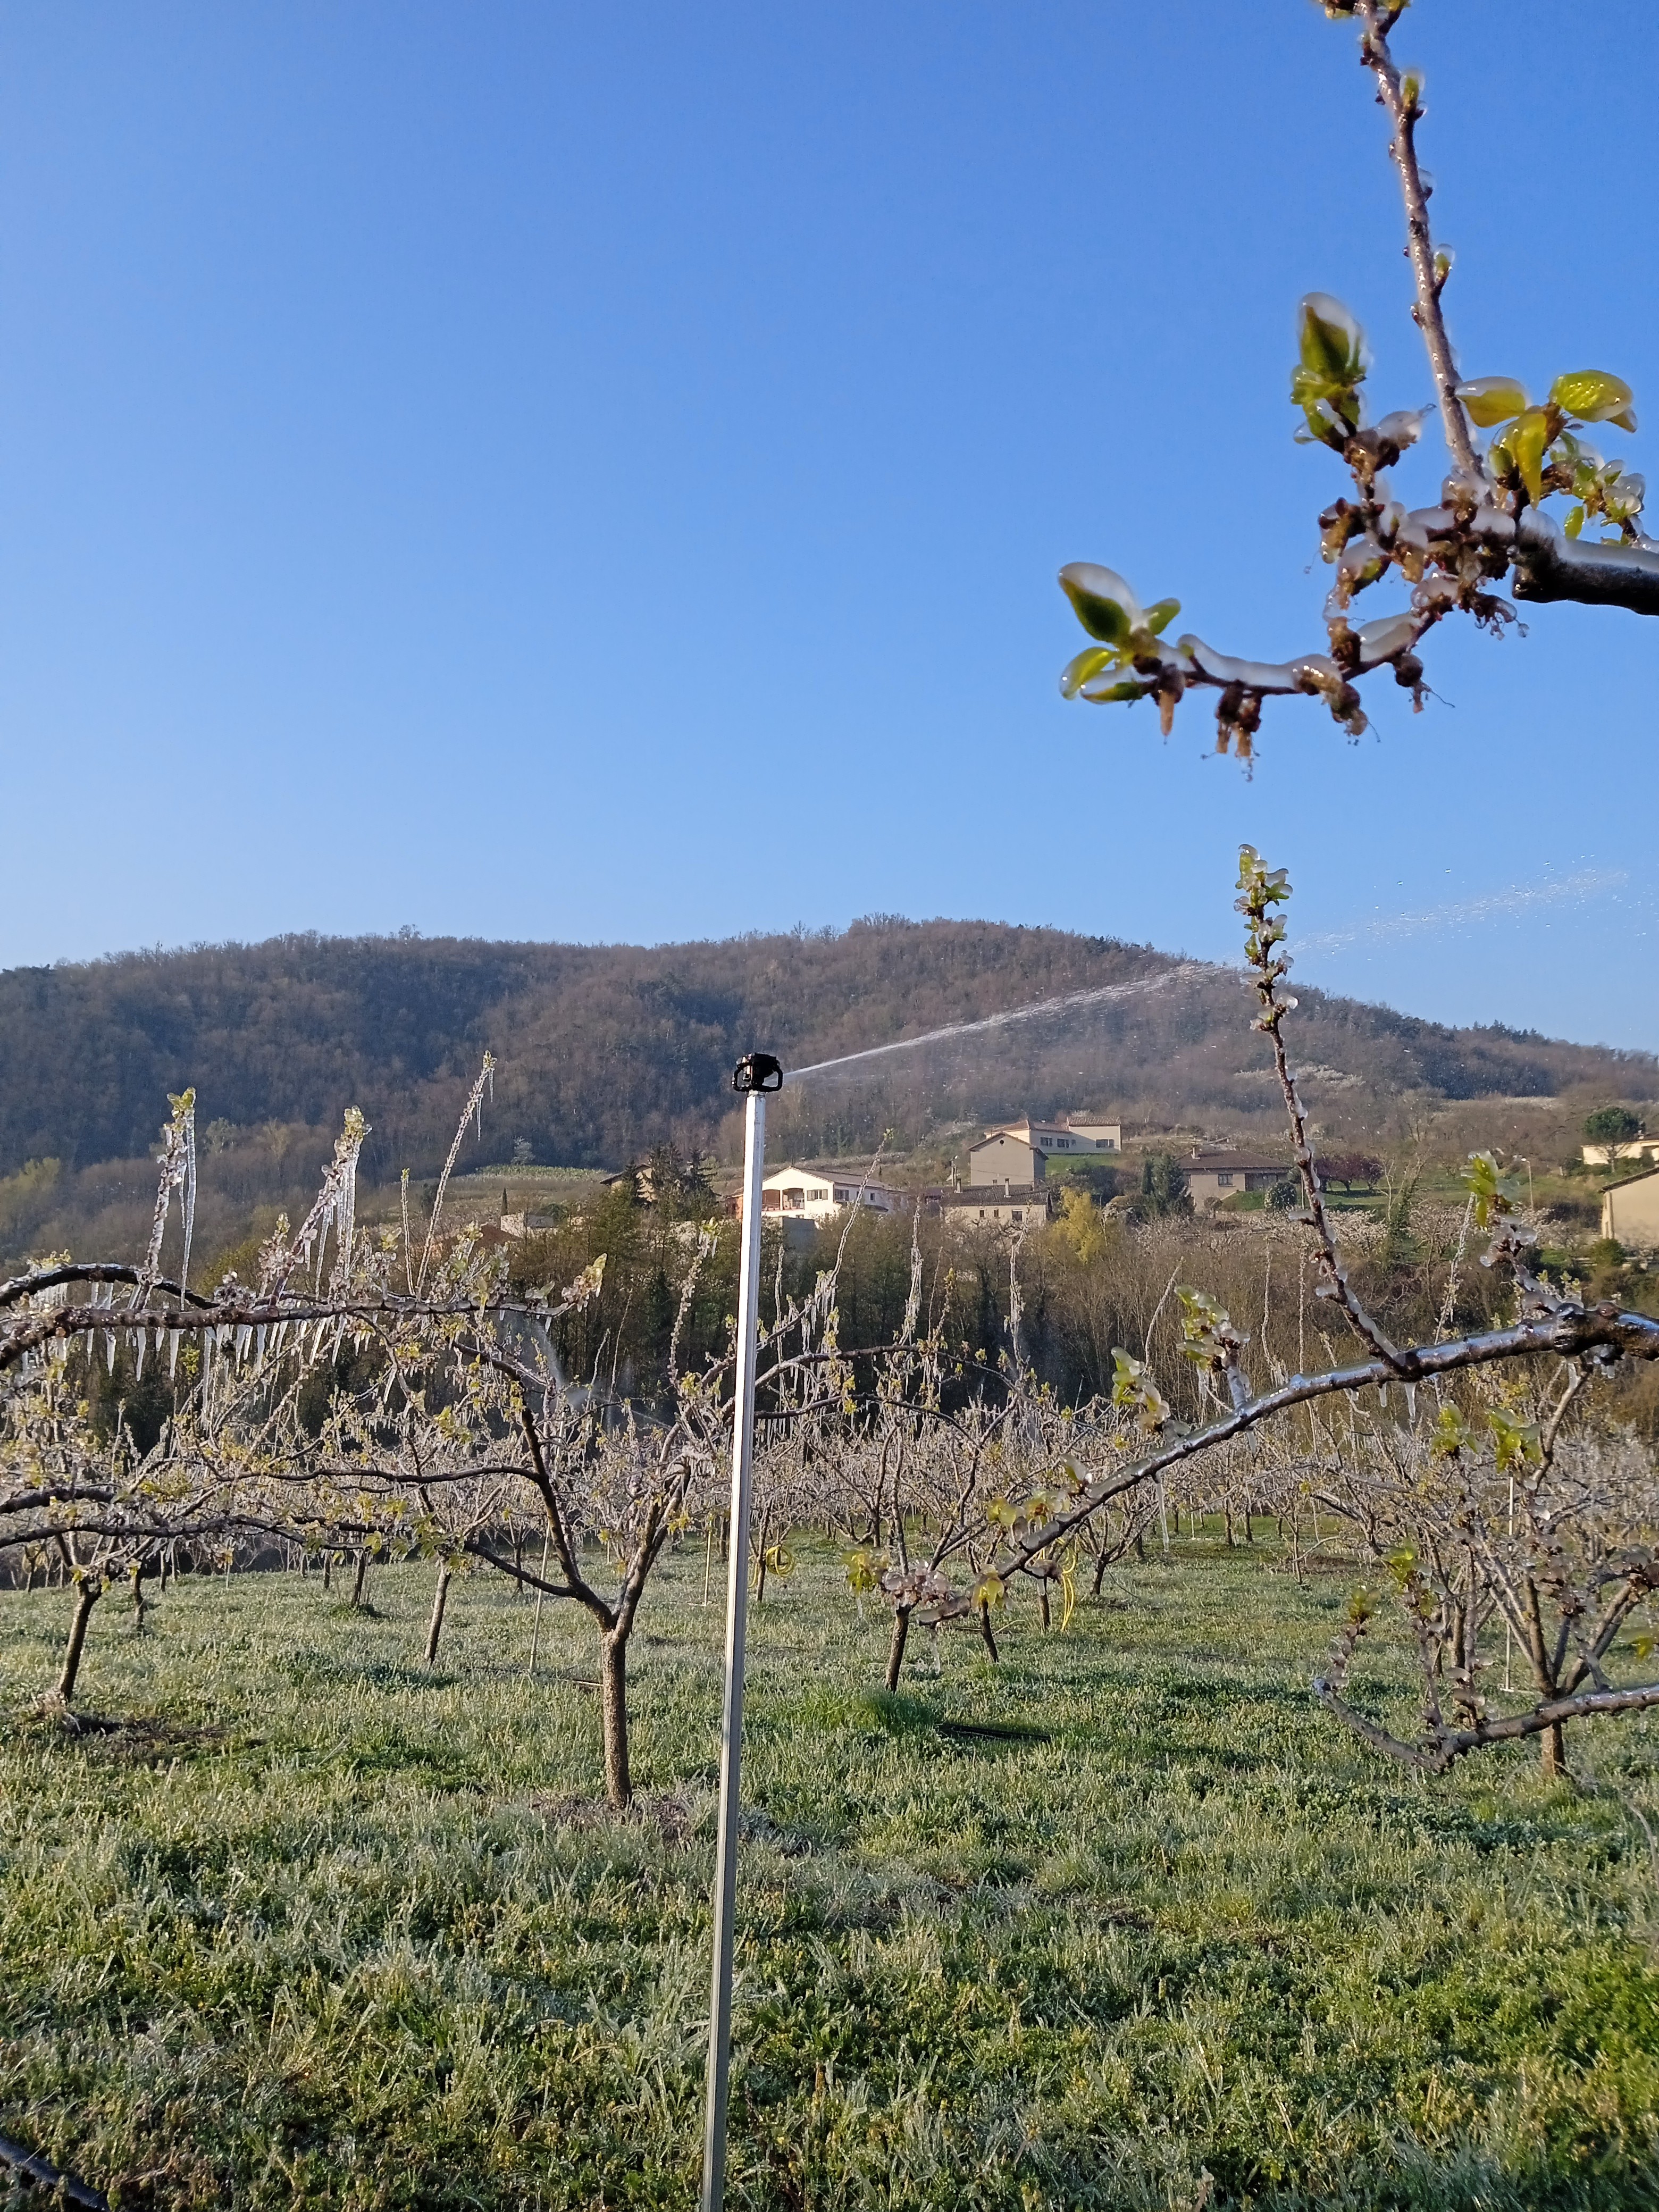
x: 993, y: 1205
x: 1020, y: 1151
x: 1632, y: 1149
x: 1214, y: 1175
x: 817, y: 1194
x: 1629, y: 1212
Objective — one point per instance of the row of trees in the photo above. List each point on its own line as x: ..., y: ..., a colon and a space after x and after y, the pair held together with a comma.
x: 411, y: 1391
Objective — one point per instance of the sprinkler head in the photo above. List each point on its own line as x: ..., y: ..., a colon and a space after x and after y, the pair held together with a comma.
x: 757, y: 1071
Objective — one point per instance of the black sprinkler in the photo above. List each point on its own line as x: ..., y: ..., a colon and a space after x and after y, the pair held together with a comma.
x: 757, y: 1071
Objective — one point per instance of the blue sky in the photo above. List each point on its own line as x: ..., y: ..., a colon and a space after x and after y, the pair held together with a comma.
x: 534, y: 470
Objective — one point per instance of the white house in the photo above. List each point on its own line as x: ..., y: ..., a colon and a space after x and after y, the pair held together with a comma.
x: 817, y: 1194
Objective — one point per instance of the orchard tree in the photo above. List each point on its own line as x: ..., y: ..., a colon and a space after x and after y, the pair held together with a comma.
x: 1493, y: 531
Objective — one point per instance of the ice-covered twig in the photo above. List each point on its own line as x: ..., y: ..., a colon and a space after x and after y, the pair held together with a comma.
x: 473, y: 1109
x: 1261, y: 889
x: 1404, y: 109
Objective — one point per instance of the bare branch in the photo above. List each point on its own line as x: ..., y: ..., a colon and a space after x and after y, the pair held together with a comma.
x: 1403, y: 113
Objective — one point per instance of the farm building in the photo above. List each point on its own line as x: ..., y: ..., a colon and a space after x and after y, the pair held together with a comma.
x: 994, y: 1206
x: 1213, y: 1176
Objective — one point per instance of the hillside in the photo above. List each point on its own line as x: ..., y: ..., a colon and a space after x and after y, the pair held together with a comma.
x: 604, y: 1050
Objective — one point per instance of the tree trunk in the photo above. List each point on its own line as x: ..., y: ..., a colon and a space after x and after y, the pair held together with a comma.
x: 439, y: 1599
x: 1100, y: 1569
x: 358, y: 1586
x: 328, y: 1570
x: 87, y: 1595
x: 985, y: 1630
x: 896, y: 1648
x: 138, y: 1597
x: 1553, y: 1752
x: 613, y: 1712
x: 1042, y: 1601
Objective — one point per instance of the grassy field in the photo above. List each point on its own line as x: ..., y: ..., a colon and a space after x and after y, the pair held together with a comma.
x: 318, y: 1928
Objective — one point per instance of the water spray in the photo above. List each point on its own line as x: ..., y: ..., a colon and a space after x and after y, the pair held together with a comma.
x: 754, y: 1078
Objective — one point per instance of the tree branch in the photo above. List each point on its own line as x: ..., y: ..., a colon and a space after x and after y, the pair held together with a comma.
x: 1550, y: 565
x: 1434, y: 1752
x: 1419, y: 245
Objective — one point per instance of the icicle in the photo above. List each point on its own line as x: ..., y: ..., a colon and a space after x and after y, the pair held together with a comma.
x: 190, y: 1188
x: 1382, y: 1394
x: 172, y: 1352
x: 109, y: 1348
x: 1411, y: 1405
x: 243, y: 1332
x: 139, y: 1340
x: 259, y: 1346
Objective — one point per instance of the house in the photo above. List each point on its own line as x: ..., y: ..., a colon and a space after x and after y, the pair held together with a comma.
x: 1020, y: 1151
x: 816, y: 1194
x: 993, y: 1205
x: 1213, y: 1176
x: 1629, y: 1211
x: 1632, y: 1149
x: 1106, y: 1136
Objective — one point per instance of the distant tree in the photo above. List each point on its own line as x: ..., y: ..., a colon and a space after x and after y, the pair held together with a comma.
x: 1490, y: 526
x: 1614, y: 1127
x: 1286, y: 1195
x: 1349, y: 1169
x: 1163, y: 1185
x: 523, y: 1152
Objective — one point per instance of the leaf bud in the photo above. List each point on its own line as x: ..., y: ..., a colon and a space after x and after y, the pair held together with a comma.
x: 1104, y: 603
x: 1592, y: 396
x: 1490, y: 400
x: 1329, y: 340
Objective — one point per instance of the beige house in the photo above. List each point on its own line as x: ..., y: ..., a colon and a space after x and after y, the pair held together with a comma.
x: 1018, y: 1151
x: 1212, y: 1176
x: 1633, y: 1149
x: 994, y: 1206
x: 1629, y: 1212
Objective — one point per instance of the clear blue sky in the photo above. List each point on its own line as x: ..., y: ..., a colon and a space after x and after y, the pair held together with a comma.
x: 540, y: 471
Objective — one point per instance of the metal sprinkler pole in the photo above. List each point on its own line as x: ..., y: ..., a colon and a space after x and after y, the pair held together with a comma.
x: 754, y: 1077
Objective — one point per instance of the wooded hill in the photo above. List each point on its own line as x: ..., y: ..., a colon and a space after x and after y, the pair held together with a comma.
x: 604, y: 1050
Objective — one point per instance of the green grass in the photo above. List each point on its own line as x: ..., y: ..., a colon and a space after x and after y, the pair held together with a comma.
x: 320, y: 1929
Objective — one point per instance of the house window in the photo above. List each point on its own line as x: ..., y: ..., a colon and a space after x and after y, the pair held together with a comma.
x: 1224, y: 1178
x: 1017, y: 1215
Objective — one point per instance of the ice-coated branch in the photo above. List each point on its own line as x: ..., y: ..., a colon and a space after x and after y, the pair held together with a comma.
x: 1401, y: 99
x: 1261, y: 889
x: 1569, y: 1333
x: 1550, y: 565
x: 1487, y: 533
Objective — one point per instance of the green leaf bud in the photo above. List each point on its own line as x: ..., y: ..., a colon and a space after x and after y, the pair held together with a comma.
x: 1329, y: 340
x: 1489, y: 400
x: 1089, y: 663
x: 1592, y: 396
x: 1105, y: 604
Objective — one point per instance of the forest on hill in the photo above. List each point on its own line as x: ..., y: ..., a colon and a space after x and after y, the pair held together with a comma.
x: 603, y: 1051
